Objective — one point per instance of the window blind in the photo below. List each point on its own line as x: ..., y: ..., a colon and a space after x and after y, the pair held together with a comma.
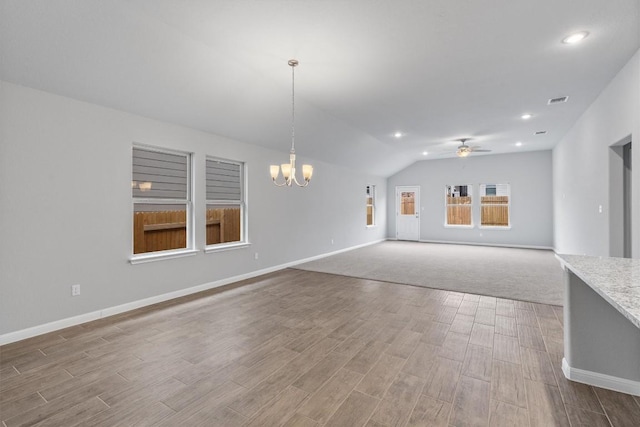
x: 159, y: 175
x: 224, y: 181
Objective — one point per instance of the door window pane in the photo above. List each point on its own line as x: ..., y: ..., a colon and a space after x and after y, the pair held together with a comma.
x: 407, y: 203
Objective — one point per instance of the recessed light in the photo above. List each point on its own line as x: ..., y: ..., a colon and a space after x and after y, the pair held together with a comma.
x: 518, y: 144
x: 526, y: 116
x: 398, y: 134
x: 425, y: 153
x: 575, y: 37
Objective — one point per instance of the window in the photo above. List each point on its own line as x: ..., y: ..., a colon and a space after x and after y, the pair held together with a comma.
x: 161, y: 190
x: 225, y: 202
x: 495, y: 200
x: 371, y: 205
x: 458, y: 205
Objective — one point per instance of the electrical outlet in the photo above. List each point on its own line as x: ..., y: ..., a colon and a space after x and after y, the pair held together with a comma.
x: 599, y: 208
x: 75, y: 290
x: 255, y: 256
x: 332, y: 241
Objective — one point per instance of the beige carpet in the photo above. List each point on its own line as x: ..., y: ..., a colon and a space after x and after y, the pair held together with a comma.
x: 520, y: 274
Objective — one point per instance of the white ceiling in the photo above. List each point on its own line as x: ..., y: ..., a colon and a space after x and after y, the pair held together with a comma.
x: 435, y: 70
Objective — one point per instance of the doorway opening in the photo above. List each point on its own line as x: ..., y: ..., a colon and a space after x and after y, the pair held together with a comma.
x: 620, y: 199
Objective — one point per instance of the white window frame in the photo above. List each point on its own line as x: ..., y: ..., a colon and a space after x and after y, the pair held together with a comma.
x: 446, y: 206
x: 242, y: 203
x: 371, y: 193
x: 481, y: 190
x: 188, y: 203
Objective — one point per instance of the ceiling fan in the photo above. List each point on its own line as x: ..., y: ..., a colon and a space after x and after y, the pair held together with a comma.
x: 464, y: 150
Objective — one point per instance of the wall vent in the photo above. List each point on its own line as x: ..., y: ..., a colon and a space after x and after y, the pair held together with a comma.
x: 559, y: 100
x: 540, y: 132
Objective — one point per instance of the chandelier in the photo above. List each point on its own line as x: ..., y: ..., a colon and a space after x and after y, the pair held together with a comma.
x: 289, y: 169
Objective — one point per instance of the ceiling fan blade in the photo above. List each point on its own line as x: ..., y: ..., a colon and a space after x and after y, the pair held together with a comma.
x: 481, y: 151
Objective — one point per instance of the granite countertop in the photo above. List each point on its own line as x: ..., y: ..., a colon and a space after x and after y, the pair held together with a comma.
x: 617, y: 280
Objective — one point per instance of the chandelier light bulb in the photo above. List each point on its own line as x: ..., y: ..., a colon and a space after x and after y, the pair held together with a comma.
x: 275, y: 170
x: 307, y: 172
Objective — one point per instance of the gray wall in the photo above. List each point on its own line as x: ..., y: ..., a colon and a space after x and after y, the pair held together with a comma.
x: 66, y: 209
x: 583, y: 174
x: 528, y: 173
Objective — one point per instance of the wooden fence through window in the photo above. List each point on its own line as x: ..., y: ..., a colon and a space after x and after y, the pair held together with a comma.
x: 458, y: 210
x: 165, y: 230
x: 494, y: 211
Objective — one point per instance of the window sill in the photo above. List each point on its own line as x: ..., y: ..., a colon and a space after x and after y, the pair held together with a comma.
x: 159, y: 256
x: 495, y: 227
x: 458, y: 226
x: 226, y: 247
x: 371, y: 226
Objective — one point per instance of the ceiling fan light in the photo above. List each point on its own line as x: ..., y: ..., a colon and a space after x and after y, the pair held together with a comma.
x: 463, y: 153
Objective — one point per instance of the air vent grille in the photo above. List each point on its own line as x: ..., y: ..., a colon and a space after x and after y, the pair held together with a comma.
x: 559, y: 100
x: 540, y: 132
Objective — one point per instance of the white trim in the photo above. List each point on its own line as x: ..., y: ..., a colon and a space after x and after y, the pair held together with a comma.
x: 498, y: 245
x: 110, y: 311
x: 339, y: 251
x: 158, y: 256
x: 221, y: 247
x: 609, y: 382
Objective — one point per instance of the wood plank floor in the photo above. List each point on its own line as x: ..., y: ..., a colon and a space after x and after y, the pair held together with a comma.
x: 299, y: 348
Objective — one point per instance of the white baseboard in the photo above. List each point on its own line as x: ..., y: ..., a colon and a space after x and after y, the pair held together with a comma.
x: 111, y: 311
x: 498, y: 245
x: 609, y: 382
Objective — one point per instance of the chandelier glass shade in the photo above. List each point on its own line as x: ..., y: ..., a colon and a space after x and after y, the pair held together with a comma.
x: 289, y: 169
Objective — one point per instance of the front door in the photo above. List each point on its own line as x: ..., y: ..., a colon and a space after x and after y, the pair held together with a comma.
x: 408, y: 213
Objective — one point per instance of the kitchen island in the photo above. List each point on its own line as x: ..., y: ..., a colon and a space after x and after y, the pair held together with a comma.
x: 602, y: 322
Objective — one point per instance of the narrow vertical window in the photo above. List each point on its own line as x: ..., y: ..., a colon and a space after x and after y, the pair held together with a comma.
x: 495, y: 203
x: 371, y: 205
x: 161, y: 191
x: 458, y: 204
x: 225, y: 202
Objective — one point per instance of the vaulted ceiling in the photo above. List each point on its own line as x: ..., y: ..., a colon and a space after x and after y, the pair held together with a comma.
x: 434, y: 70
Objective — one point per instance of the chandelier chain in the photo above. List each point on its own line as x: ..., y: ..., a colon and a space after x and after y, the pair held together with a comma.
x: 293, y: 108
